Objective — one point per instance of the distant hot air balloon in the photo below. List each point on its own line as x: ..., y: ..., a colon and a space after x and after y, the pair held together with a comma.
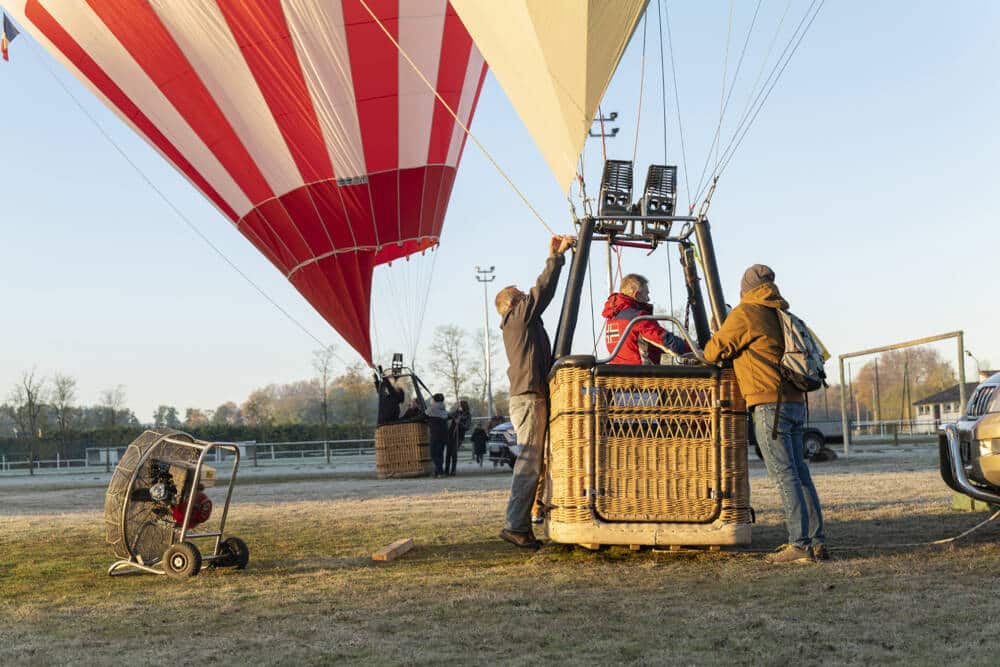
x: 299, y: 119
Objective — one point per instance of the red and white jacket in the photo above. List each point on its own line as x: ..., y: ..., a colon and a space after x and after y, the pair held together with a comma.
x: 646, y: 341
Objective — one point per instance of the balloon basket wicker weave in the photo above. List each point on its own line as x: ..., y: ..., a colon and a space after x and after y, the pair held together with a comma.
x: 402, y: 450
x: 646, y: 455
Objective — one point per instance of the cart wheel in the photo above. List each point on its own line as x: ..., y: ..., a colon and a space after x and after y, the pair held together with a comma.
x: 182, y: 560
x: 236, y: 553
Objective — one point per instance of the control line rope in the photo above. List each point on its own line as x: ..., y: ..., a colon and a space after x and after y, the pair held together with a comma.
x: 454, y: 115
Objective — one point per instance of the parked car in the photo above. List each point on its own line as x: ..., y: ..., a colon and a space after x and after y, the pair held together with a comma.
x: 978, y: 436
x: 813, y: 440
x: 502, y: 447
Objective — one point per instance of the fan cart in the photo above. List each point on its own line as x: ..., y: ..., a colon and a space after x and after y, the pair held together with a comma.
x: 156, y: 497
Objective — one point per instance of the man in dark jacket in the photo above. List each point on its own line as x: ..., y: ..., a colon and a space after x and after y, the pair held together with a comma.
x: 529, y: 353
x: 437, y: 425
x: 647, y: 340
x: 752, y: 338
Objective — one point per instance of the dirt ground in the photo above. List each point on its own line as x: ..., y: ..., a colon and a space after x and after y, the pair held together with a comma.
x: 312, y: 594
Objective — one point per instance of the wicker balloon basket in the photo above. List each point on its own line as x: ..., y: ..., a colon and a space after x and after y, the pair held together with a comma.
x: 401, y: 450
x: 646, y: 455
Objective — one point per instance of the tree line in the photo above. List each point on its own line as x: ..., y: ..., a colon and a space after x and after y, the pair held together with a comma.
x: 42, y: 415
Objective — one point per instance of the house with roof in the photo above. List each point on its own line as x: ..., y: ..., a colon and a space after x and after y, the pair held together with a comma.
x: 943, y: 407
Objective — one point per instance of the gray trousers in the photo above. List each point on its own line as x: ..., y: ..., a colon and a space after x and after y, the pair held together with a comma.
x: 530, y: 415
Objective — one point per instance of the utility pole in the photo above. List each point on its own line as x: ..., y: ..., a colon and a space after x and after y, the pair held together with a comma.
x: 486, y: 276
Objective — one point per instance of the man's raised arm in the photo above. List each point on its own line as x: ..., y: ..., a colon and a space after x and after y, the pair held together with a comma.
x: 541, y: 294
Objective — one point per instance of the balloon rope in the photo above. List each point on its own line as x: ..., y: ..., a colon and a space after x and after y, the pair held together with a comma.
x: 173, y: 207
x: 454, y: 115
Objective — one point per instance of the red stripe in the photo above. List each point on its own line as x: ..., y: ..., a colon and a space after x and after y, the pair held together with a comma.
x: 139, y: 30
x: 375, y: 73
x: 358, y: 202
x: 321, y: 284
x: 428, y: 204
x: 263, y: 36
x: 456, y: 45
x: 384, y: 196
x: 66, y: 45
x: 303, y: 211
x: 411, y: 190
x: 288, y: 241
x: 441, y: 205
x: 326, y: 196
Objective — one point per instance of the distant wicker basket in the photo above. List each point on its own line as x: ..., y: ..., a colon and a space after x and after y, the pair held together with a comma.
x: 646, y: 455
x: 401, y: 450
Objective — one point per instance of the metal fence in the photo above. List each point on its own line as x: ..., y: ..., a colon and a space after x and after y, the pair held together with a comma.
x: 251, y: 454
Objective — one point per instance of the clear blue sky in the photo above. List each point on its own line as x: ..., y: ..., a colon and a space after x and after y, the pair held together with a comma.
x: 867, y: 183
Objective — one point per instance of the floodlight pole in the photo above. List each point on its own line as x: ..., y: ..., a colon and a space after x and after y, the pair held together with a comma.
x: 486, y: 276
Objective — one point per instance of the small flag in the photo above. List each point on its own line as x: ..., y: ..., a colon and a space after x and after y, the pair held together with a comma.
x: 7, y: 35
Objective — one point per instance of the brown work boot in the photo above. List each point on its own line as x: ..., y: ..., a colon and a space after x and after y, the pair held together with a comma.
x: 524, y: 540
x: 820, y: 552
x: 789, y: 553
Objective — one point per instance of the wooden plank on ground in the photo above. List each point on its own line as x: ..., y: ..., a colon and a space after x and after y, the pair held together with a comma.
x: 394, y: 550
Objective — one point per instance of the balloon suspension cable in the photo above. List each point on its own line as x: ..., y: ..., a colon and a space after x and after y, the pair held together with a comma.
x: 187, y: 221
x: 642, y: 81
x: 454, y: 115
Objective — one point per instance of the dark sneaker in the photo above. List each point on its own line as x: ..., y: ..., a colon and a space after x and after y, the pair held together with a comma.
x: 789, y: 554
x: 820, y: 552
x: 524, y: 540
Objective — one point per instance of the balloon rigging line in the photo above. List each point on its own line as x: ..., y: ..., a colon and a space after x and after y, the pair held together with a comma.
x: 725, y: 72
x: 663, y: 82
x: 779, y: 67
x: 767, y: 57
x: 642, y: 81
x: 663, y: 108
x: 175, y: 209
x: 423, y: 310
x: 677, y: 101
x: 774, y: 82
x: 725, y: 102
x: 454, y: 115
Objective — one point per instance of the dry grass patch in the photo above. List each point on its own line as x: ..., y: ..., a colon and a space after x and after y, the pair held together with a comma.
x: 312, y: 595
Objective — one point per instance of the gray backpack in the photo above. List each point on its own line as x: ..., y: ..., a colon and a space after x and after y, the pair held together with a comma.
x: 802, y: 364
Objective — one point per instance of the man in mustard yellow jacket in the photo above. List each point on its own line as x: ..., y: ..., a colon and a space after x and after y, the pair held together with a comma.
x: 753, y: 339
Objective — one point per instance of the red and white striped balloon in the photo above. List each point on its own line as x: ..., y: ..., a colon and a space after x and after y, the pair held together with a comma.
x: 299, y: 119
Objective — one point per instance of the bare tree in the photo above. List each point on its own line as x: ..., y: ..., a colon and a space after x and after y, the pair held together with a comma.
x: 113, y: 402
x: 26, y: 401
x: 258, y: 409
x: 323, y: 363
x: 227, y: 413
x: 166, y: 415
x: 195, y: 418
x: 448, y: 357
x: 479, y: 368
x: 63, y: 397
x: 355, y: 398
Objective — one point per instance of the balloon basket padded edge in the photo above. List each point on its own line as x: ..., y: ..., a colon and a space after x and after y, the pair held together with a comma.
x: 156, y: 499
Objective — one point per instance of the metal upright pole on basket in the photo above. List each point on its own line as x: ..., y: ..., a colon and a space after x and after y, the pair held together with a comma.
x: 486, y: 276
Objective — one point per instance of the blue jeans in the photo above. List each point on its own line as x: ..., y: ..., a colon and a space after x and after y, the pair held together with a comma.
x: 530, y: 415
x: 786, y: 466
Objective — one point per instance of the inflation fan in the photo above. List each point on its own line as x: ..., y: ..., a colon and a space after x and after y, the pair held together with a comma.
x: 157, y: 496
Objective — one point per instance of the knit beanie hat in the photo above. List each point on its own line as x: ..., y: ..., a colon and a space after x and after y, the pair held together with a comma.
x: 755, y: 276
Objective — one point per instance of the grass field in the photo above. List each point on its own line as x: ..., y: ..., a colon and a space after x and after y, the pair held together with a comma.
x: 312, y: 595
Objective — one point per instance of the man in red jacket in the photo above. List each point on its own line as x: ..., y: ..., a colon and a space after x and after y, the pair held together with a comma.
x: 647, y: 340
